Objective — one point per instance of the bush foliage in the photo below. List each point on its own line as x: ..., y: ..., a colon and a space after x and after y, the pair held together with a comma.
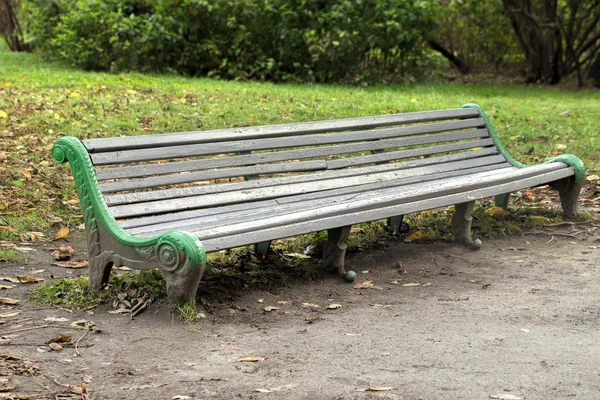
x: 282, y: 40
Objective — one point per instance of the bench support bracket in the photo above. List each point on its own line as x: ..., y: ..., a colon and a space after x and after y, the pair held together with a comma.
x: 335, y: 251
x: 461, y: 225
x: 568, y: 189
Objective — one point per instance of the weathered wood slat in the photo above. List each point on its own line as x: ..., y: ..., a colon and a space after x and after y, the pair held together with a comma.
x: 292, y: 203
x: 256, y: 132
x: 210, y: 197
x: 136, y: 171
x: 306, y: 226
x: 180, y: 151
x: 380, y: 199
x: 164, y: 180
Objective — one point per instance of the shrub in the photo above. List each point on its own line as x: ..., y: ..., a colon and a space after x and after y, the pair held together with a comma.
x: 302, y: 40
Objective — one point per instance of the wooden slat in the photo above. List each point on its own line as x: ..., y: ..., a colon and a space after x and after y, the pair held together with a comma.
x: 379, y: 198
x: 231, y: 161
x: 305, y: 226
x: 138, y: 197
x: 257, y: 132
x: 165, y: 180
x: 182, y: 151
x: 222, y: 216
x: 212, y: 200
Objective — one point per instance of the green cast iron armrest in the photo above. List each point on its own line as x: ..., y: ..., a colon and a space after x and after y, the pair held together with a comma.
x: 568, y: 159
x: 175, y: 251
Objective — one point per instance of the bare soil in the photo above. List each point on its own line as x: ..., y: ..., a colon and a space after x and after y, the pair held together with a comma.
x: 519, y: 318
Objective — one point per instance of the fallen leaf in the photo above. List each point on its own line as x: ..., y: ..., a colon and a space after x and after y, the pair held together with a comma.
x: 497, y: 212
x: 7, y: 300
x: 334, y: 306
x: 61, y: 338
x: 261, y: 300
x: 505, y: 396
x: 561, y: 147
x: 28, y: 279
x: 181, y: 398
x: 71, y: 264
x: 394, y: 282
x: 9, y: 279
x: 366, y: 271
x: 298, y: 255
x: 251, y: 359
x: 56, y: 347
x: 3, y: 114
x: 74, y: 94
x: 10, y: 314
x: 261, y: 391
x: 26, y: 173
x: 5, y: 287
x: 5, y: 388
x: 310, y: 305
x: 592, y: 178
x: 285, y: 302
x: 420, y: 234
x: 539, y: 220
x: 56, y: 319
x: 412, y: 284
x: 565, y: 114
x: 378, y: 389
x: 271, y: 308
x: 62, y: 233
x: 63, y: 253
x: 79, y: 389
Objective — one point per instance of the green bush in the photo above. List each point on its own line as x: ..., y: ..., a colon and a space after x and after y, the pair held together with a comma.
x: 282, y: 40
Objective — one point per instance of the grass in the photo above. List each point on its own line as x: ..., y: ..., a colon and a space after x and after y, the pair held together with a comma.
x: 12, y: 256
x: 44, y: 101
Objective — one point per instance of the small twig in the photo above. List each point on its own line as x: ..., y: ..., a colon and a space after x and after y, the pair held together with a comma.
x: 23, y: 329
x: 551, y: 239
x: 142, y: 308
x: 77, y: 343
x: 40, y: 383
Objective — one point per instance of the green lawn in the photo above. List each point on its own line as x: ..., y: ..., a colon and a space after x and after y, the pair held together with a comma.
x: 42, y: 101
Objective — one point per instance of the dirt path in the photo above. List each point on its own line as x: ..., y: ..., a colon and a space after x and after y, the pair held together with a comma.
x: 520, y: 318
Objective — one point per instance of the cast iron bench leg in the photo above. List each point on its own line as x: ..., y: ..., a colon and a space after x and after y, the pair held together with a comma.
x: 461, y: 225
x: 568, y: 190
x: 335, y: 250
x: 502, y: 200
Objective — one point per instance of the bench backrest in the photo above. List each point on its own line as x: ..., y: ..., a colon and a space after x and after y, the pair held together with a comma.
x: 154, y: 174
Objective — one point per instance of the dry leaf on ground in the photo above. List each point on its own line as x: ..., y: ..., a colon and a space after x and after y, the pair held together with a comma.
x: 71, y: 264
x: 412, y: 284
x: 10, y: 314
x: 61, y: 338
x: 334, y: 306
x: 28, y: 279
x: 9, y: 279
x: 62, y: 233
x: 251, y: 359
x: 56, y: 347
x: 378, y: 389
x: 56, y: 319
x: 5, y: 287
x: 310, y: 305
x: 270, y: 308
x: 7, y: 300
x: 497, y: 212
x: 63, y: 253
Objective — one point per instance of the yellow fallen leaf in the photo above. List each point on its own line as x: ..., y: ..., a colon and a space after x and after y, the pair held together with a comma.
x: 413, y: 100
x: 412, y: 284
x: 334, y: 306
x: 5, y: 287
x: 592, y: 178
x: 539, y: 220
x: 251, y: 359
x: 3, y: 114
x: 74, y: 94
x: 420, y: 234
x: 62, y: 233
x: 8, y: 300
x: 71, y: 264
x: 130, y: 91
x: 26, y: 173
x: 497, y: 212
x: 561, y: 147
x: 284, y: 302
x: 271, y: 308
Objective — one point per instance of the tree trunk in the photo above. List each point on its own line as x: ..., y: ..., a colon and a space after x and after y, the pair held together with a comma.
x: 594, y: 71
x: 458, y: 63
x: 10, y: 28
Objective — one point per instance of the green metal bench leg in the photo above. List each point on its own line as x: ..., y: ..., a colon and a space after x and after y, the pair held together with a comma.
x: 394, y: 223
x: 461, y: 225
x: 501, y: 200
x: 262, y: 248
x: 335, y: 251
x: 568, y: 189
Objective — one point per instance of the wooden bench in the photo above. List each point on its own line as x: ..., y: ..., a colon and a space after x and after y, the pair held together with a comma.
x: 163, y: 201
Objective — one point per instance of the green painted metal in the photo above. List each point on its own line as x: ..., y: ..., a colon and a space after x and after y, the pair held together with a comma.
x: 568, y: 159
x: 176, y: 252
x: 502, y: 200
x: 394, y: 223
x: 262, y: 248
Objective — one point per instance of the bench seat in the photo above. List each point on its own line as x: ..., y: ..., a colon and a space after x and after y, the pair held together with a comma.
x: 165, y: 200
